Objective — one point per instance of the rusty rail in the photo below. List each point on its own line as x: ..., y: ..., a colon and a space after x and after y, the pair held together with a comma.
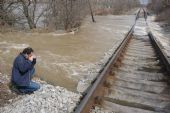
x: 161, y: 54
x: 94, y: 92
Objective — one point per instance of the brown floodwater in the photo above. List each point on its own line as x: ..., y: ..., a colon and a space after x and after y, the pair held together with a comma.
x: 64, y: 58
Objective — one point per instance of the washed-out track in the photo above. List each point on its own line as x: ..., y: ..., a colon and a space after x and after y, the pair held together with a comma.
x: 134, y: 80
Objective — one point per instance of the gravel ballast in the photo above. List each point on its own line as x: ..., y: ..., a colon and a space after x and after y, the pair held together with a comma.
x: 48, y: 99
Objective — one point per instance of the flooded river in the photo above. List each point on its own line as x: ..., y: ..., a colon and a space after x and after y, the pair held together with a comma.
x: 64, y: 59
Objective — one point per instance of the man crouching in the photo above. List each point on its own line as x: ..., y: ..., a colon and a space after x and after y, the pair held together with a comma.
x: 23, y: 71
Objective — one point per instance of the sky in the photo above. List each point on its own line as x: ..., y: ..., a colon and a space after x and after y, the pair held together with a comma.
x: 144, y: 1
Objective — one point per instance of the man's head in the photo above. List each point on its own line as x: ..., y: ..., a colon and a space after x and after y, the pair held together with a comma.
x: 28, y: 51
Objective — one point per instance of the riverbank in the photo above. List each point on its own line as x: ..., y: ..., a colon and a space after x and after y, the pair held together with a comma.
x: 48, y: 99
x: 69, y: 58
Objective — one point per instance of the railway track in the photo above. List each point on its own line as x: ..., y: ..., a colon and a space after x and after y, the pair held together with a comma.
x: 135, y: 79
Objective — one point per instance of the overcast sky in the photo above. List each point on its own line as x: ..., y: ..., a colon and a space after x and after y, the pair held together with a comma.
x: 144, y: 1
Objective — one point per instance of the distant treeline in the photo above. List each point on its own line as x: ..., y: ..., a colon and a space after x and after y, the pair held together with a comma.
x: 103, y: 7
x: 161, y: 8
x: 57, y: 14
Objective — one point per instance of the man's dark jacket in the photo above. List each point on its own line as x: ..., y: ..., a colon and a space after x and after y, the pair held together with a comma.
x: 21, y: 72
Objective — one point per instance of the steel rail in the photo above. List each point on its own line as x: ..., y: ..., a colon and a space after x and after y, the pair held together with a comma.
x: 94, y: 91
x: 161, y: 54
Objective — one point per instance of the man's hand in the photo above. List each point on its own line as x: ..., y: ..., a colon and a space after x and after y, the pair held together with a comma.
x: 30, y: 58
x: 34, y: 56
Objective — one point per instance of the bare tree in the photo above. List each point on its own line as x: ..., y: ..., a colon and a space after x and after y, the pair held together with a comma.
x: 103, y: 7
x: 17, y: 11
x: 91, y: 11
x: 59, y: 14
x: 161, y: 8
x: 66, y: 14
x: 30, y: 19
x: 6, y: 7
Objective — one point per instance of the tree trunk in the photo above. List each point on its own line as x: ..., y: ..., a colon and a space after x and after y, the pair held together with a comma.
x: 28, y: 17
x: 67, y: 16
x: 91, y: 11
x: 1, y: 5
x: 1, y: 8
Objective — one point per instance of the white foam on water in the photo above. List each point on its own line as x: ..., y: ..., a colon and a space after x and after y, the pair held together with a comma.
x: 6, y: 51
x: 4, y: 42
x: 93, y: 71
x: 107, y: 29
x: 18, y: 46
x: 9, y: 45
x: 56, y: 62
x: 76, y: 69
x: 55, y: 34
x: 83, y: 71
x: 62, y: 33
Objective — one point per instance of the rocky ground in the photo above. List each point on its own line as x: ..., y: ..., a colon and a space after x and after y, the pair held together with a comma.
x: 100, y: 110
x: 161, y: 31
x: 5, y: 93
x: 49, y: 99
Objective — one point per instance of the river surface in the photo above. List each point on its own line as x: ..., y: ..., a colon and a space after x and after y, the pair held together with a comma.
x: 65, y: 58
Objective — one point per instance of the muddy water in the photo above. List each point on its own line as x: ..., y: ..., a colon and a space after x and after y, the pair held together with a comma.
x: 63, y: 59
